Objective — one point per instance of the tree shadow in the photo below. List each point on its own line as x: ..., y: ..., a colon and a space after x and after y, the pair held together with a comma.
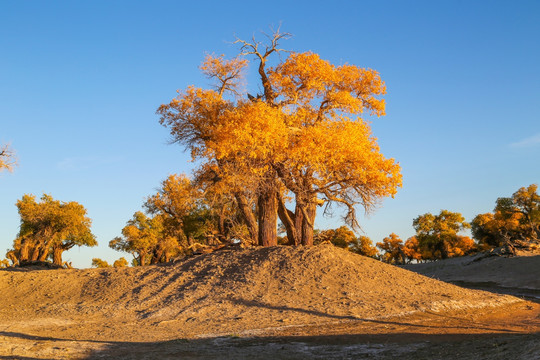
x: 369, y: 320
x: 359, y: 345
x: 490, y: 286
x: 15, y: 357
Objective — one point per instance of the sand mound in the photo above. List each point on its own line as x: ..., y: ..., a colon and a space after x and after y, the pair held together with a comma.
x: 520, y: 272
x: 237, y: 289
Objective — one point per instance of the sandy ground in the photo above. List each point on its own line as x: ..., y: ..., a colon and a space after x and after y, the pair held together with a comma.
x: 519, y: 276
x: 282, y: 303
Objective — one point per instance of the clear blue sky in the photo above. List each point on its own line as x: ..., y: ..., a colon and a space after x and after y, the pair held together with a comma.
x: 80, y: 82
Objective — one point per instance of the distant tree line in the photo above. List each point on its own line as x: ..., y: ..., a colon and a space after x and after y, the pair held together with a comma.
x: 514, y: 224
x: 184, y: 217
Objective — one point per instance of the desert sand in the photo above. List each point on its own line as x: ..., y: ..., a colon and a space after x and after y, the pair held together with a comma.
x: 258, y: 303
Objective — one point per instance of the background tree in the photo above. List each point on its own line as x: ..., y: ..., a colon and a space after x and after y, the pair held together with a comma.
x: 344, y: 237
x: 48, y: 228
x: 122, y: 262
x: 196, y: 211
x: 7, y: 158
x: 526, y: 202
x: 515, y: 221
x: 439, y: 234
x: 98, y: 263
x: 363, y: 245
x: 175, y: 200
x: 392, y: 246
x: 4, y: 263
x: 269, y: 140
x: 341, y: 237
x: 146, y: 239
x: 183, y: 216
x: 412, y: 250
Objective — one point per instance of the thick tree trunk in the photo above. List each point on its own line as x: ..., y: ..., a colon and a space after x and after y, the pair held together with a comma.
x: 24, y: 251
x: 268, y: 208
x: 35, y: 251
x: 442, y: 246
x: 57, y: 255
x: 156, y: 256
x: 142, y: 259
x: 44, y: 253
x: 247, y: 215
x: 307, y: 224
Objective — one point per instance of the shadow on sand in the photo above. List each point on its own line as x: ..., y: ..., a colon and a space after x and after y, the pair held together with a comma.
x: 406, y: 346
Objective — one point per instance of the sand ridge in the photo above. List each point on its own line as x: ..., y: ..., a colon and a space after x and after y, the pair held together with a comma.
x: 243, y: 293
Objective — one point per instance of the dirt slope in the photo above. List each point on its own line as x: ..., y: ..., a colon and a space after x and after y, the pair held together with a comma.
x: 519, y: 275
x: 259, y: 287
x: 244, y: 293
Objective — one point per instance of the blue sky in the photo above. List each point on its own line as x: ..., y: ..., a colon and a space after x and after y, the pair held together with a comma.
x: 80, y: 82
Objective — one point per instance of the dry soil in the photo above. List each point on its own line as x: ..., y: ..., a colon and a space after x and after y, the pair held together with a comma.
x: 280, y: 303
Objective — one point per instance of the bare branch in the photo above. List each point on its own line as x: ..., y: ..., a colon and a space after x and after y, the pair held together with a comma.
x: 7, y: 158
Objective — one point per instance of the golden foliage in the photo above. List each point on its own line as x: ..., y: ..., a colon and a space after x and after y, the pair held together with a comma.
x: 411, y: 249
x: 305, y: 80
x: 98, y: 263
x: 226, y: 73
x: 49, y: 227
x: 515, y: 220
x: 392, y: 246
x: 364, y: 246
x: 146, y: 239
x: 4, y: 263
x: 176, y: 197
x: 302, y: 135
x: 122, y: 262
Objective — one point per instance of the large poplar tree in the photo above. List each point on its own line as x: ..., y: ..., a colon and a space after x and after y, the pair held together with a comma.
x: 302, y: 137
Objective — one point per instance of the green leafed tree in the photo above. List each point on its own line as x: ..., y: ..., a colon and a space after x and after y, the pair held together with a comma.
x: 515, y: 221
x: 438, y: 235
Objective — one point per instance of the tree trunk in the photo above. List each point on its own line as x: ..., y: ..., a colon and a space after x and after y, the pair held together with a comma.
x: 222, y: 235
x: 247, y: 215
x: 35, y: 252
x: 57, y: 255
x: 442, y: 246
x: 307, y: 224
x: 142, y: 258
x: 24, y: 251
x: 44, y: 253
x: 287, y: 218
x: 298, y: 220
x: 157, y: 254
x: 268, y: 207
